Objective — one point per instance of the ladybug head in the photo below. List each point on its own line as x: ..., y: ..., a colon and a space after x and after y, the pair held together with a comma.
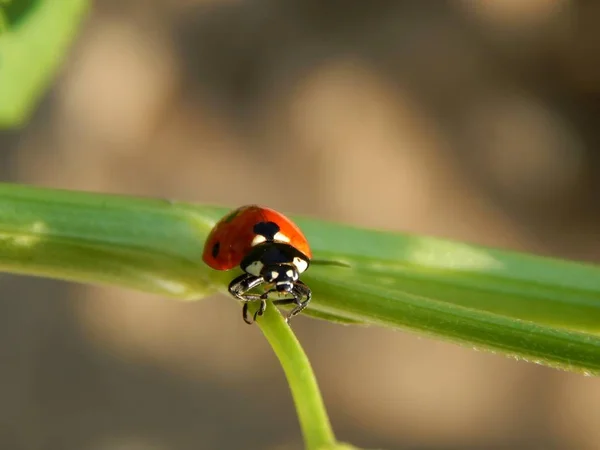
x: 283, y: 276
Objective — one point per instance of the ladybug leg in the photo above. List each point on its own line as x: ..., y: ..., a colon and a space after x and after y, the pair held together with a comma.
x: 245, y: 315
x: 261, y: 308
x: 259, y: 312
x: 239, y: 288
x: 300, y: 290
x: 242, y: 284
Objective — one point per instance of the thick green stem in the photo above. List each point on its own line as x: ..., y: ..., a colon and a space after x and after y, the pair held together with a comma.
x: 539, y: 309
x: 312, y: 415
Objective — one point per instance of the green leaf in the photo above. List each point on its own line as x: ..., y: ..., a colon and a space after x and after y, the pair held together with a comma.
x: 3, y: 17
x: 34, y: 36
x: 539, y: 309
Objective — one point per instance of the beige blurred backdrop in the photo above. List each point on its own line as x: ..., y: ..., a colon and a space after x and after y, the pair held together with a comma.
x: 470, y: 119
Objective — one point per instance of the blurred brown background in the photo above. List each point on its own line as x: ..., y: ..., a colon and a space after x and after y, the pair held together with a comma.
x: 474, y: 120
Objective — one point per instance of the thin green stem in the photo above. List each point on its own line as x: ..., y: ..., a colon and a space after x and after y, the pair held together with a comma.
x: 312, y: 415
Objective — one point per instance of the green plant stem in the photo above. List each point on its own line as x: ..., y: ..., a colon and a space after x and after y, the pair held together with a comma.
x: 538, y: 309
x: 312, y: 415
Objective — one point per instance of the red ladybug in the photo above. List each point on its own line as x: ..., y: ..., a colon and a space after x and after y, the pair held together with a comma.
x: 269, y: 248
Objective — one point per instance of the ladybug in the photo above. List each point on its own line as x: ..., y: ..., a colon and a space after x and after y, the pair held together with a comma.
x: 269, y: 248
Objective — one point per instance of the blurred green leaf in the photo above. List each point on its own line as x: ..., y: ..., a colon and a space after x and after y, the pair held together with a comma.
x: 3, y: 22
x: 34, y: 36
x: 539, y: 309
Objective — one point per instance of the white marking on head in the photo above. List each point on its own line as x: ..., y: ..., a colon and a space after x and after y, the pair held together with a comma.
x: 255, y: 268
x: 300, y: 264
x: 290, y: 273
x: 274, y: 274
x: 280, y: 237
x: 258, y: 239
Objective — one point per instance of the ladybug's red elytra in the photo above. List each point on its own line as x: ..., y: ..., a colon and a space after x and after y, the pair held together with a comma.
x: 269, y: 248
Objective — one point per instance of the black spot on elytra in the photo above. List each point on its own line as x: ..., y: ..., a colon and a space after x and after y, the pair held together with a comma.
x: 215, y: 249
x: 267, y: 229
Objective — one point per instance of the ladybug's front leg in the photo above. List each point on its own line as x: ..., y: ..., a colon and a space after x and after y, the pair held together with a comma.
x: 239, y: 288
x: 300, y: 290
